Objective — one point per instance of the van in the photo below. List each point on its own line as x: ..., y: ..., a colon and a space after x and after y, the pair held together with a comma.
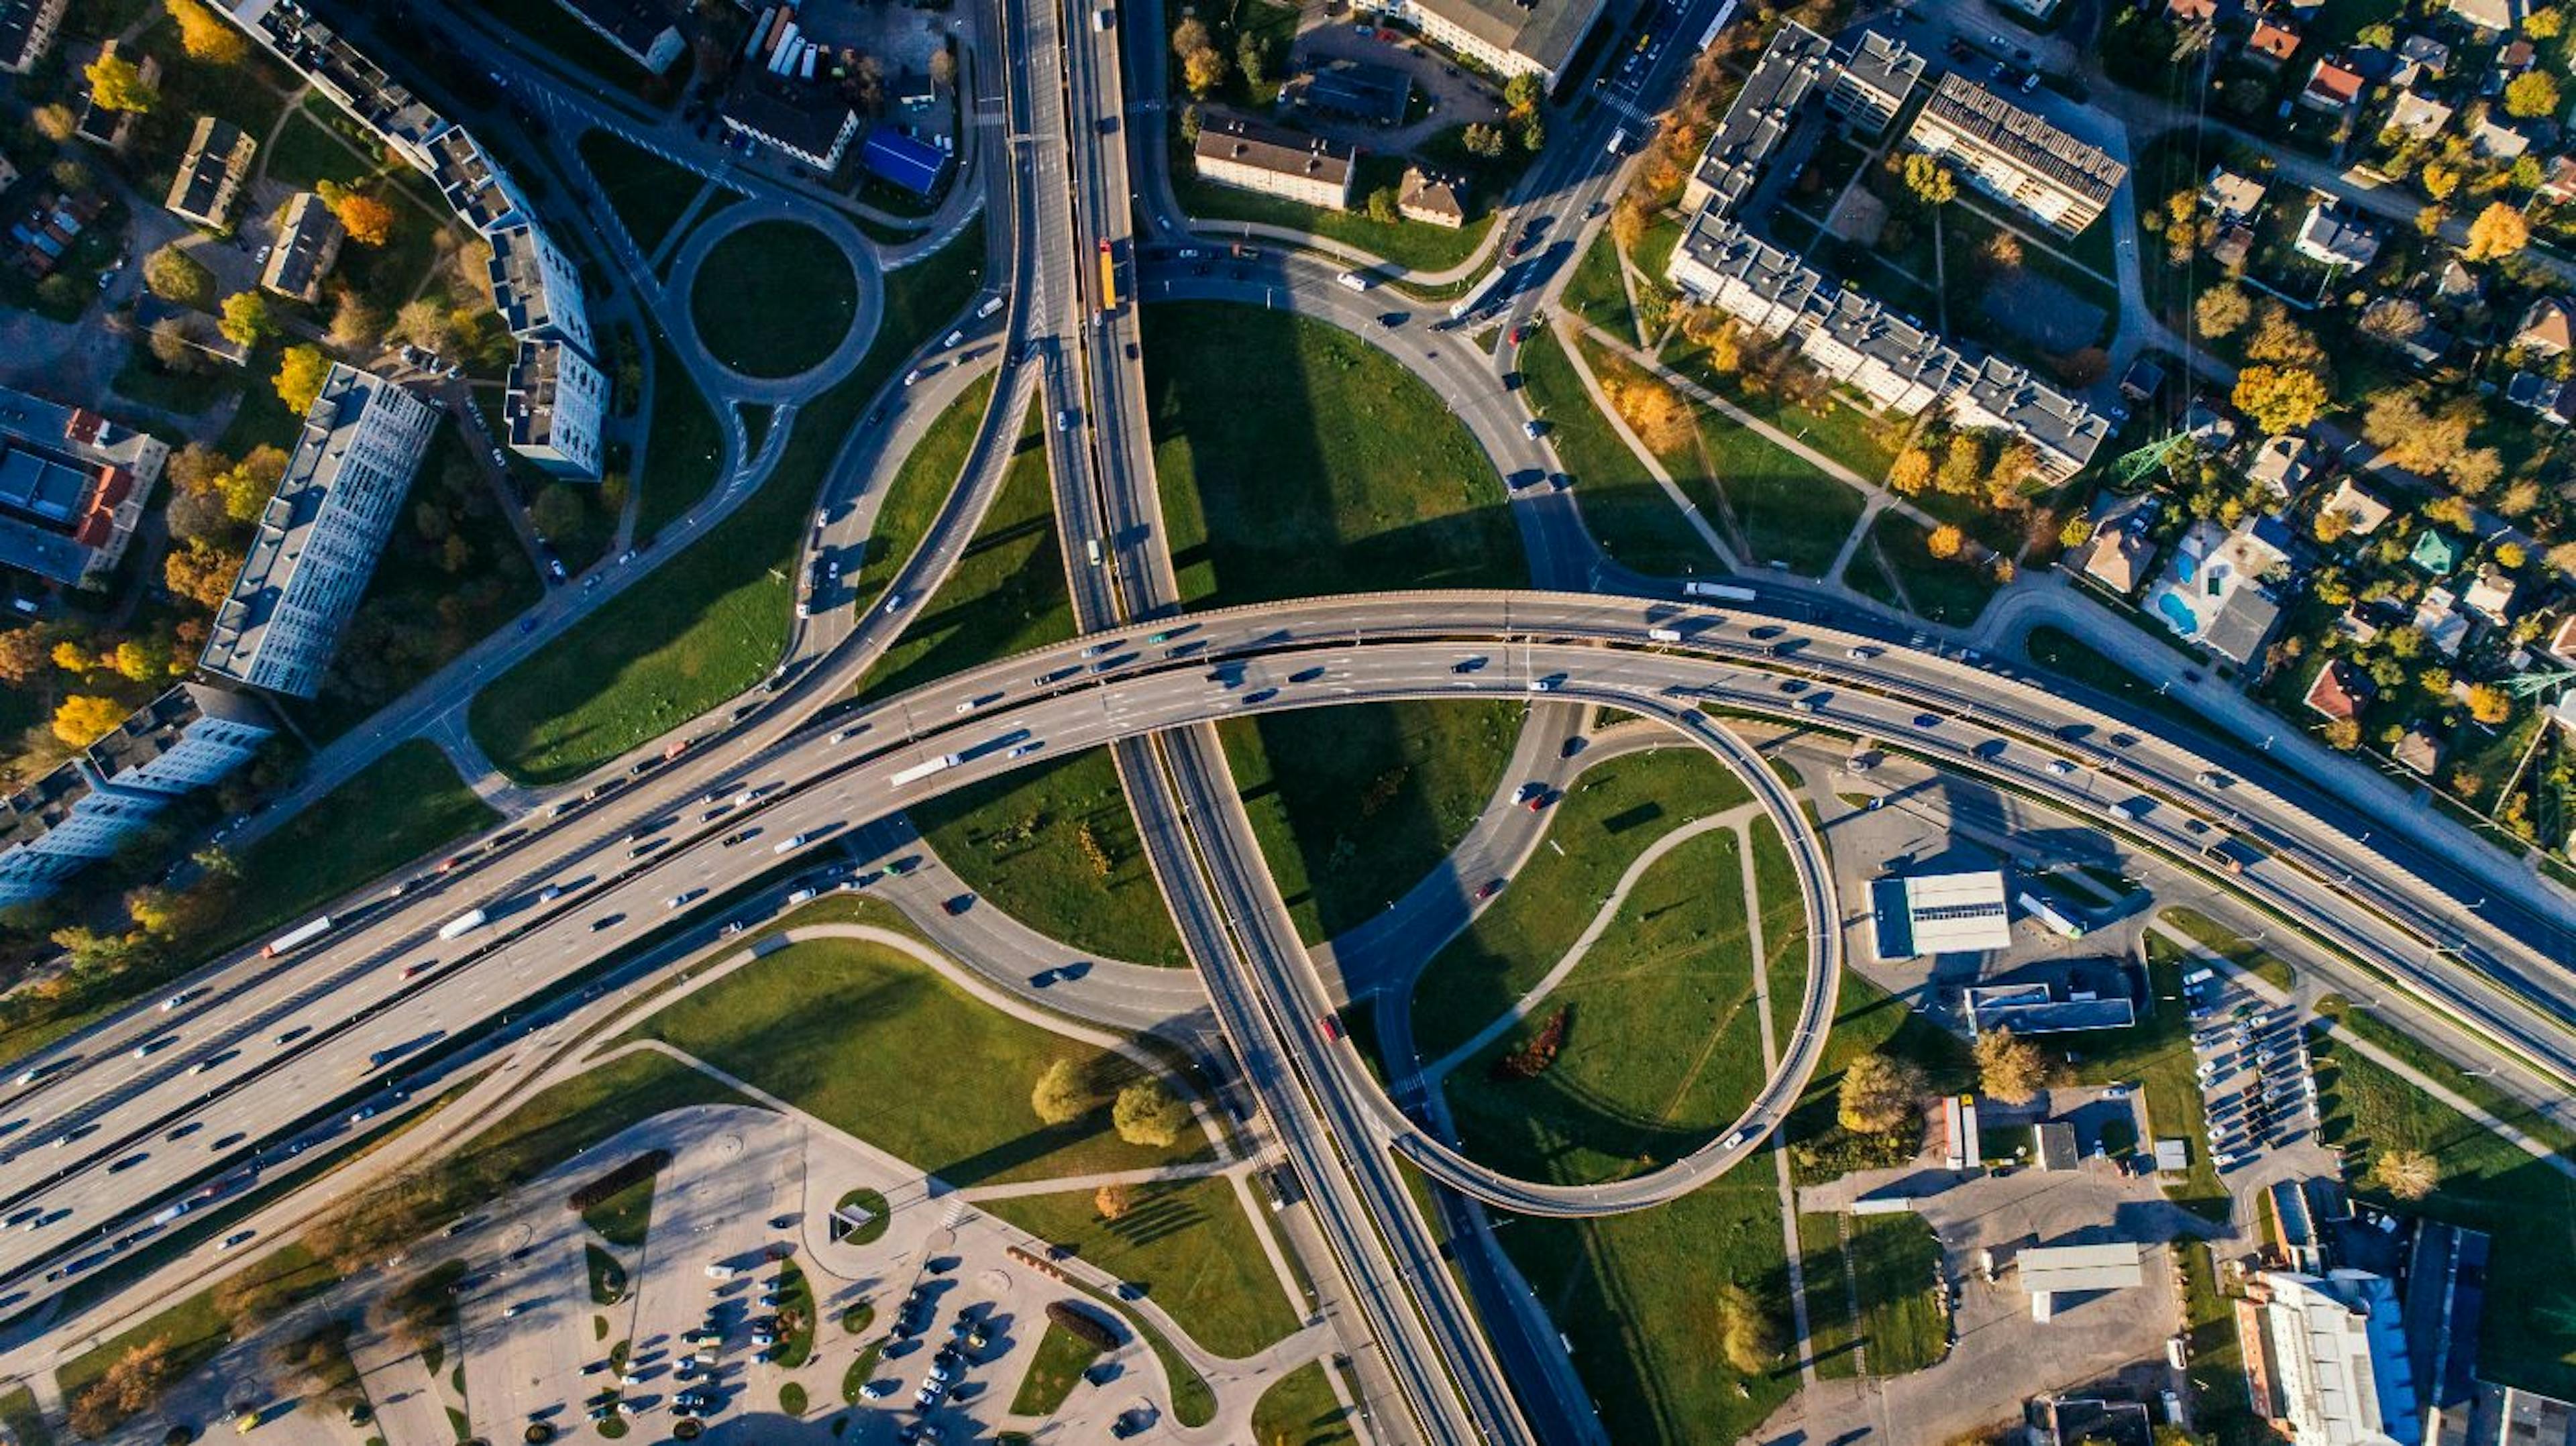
x: 1103, y: 18
x: 1353, y: 280
x: 1091, y: 550
x: 719, y: 1272
x: 1664, y: 635
x: 1619, y: 142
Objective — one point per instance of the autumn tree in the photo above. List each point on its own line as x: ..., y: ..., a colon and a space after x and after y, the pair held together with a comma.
x: 301, y: 370
x: 1963, y: 464
x: 1878, y: 1094
x: 1657, y: 413
x: 24, y: 653
x: 2406, y: 1174
x: 2343, y: 735
x: 2221, y: 310
x: 1147, y: 1114
x: 943, y: 68
x: 2008, y: 1067
x: 1944, y: 541
x: 356, y: 324
x: 1929, y: 181
x: 201, y: 572
x: 205, y: 36
x: 132, y: 1385
x: 1060, y: 1096
x: 2278, y: 338
x: 246, y: 321
x: 1911, y: 471
x: 2279, y: 399
x: 1384, y: 206
x: 84, y: 719
x: 171, y: 349
x: 2499, y: 230
x: 1203, y: 71
x: 55, y: 122
x: 1746, y: 1331
x: 115, y: 84
x: 2488, y: 703
x: 179, y: 278
x: 1482, y: 140
x: 2531, y: 95
x: 1113, y: 1200
x: 367, y: 219
x: 247, y: 485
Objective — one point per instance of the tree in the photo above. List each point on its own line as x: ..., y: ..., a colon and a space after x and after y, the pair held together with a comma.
x: 247, y: 485
x: 140, y: 660
x: 369, y: 221
x: 2343, y: 735
x: 2221, y: 310
x: 1911, y: 470
x: 2406, y: 1174
x: 130, y: 1387
x: 201, y: 572
x: 55, y: 122
x: 1534, y: 135
x: 2077, y: 532
x: 556, y: 509
x: 1930, y: 181
x: 83, y: 719
x: 1746, y: 1332
x: 356, y: 325
x: 1189, y: 36
x: 2278, y: 338
x: 2488, y: 703
x: 170, y: 347
x: 1486, y: 141
x: 2511, y: 555
x: 2475, y: 470
x: 1113, y: 1201
x: 24, y: 652
x: 1521, y: 96
x: 1203, y: 71
x: 2279, y: 399
x: 205, y: 36
x: 246, y: 321
x: 2008, y: 1067
x: 301, y: 370
x: 1878, y: 1094
x: 1963, y: 464
x: 425, y: 324
x: 1147, y: 1114
x: 1657, y: 413
x: 115, y: 84
x: 2499, y: 230
x: 179, y: 278
x: 1382, y: 206
x: 943, y: 68
x: 2531, y: 95
x: 1944, y: 541
x: 1252, y: 57
x: 1060, y: 1096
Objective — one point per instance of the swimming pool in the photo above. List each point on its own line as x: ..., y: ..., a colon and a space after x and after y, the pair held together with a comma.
x: 2178, y: 614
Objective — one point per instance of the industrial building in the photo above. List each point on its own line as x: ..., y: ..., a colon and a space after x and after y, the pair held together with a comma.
x: 904, y: 161
x: 2048, y: 1272
x: 317, y: 541
x: 817, y: 134
x: 2330, y: 1352
x: 1252, y: 155
x: 1931, y: 914
x: 72, y: 487
x: 2039, y: 1008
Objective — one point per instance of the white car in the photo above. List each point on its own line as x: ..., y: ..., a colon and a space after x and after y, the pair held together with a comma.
x: 2061, y: 767
x: 792, y: 841
x: 894, y: 602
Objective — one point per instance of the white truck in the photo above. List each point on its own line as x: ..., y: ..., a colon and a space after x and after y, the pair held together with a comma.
x: 463, y: 924
x: 1727, y: 592
x: 920, y: 771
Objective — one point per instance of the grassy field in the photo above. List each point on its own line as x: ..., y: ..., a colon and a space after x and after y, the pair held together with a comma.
x: 2477, y: 1089
x: 623, y: 1217
x: 1612, y: 814
x: 2222, y: 1402
x: 1354, y: 805
x: 400, y: 807
x: 2156, y: 1055
x: 1632, y: 1292
x: 1870, y: 1301
x: 1662, y: 1050
x: 1944, y: 590
x: 1624, y: 508
x: 1784, y: 927
x: 27, y: 1425
x: 1188, y: 1243
x: 1341, y: 472
x: 1866, y: 1019
x: 1300, y: 1409
x: 1055, y: 847
x: 649, y: 194
x: 682, y: 445
x: 1833, y: 1330
x: 869, y: 1040
x: 1007, y: 593
x: 711, y: 622
x: 2063, y: 653
x: 774, y: 298
x: 1839, y: 430
x: 2227, y: 944
x: 1061, y: 1359
x: 195, y: 1328
x: 1414, y: 245
x: 921, y: 486
x: 2529, y: 1339
x: 1595, y: 291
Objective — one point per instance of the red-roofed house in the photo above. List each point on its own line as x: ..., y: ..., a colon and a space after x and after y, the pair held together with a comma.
x: 2331, y: 89
x: 2191, y: 12
x: 2271, y: 44
x: 2341, y: 690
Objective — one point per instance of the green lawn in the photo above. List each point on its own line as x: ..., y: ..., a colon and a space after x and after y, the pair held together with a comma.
x: 797, y: 1317
x: 1007, y: 593
x: 2529, y: 1339
x: 1842, y: 431
x: 2227, y: 944
x: 1413, y: 245
x: 1784, y: 927
x: 682, y: 445
x: 2222, y: 1402
x: 869, y: 1040
x: 2477, y: 1089
x: 1893, y: 1260
x: 2156, y: 1054
x: 1061, y: 1359
x: 1662, y: 1050
x: 1632, y: 1294
x: 1944, y: 590
x: 1596, y: 292
x: 774, y: 298
x: 1614, y: 811
x: 921, y: 487
x: 1624, y: 508
x: 1341, y: 472
x: 1300, y: 1409
x: 711, y: 622
x: 194, y: 1327
x: 607, y: 1277
x: 26, y: 1424
x: 623, y: 1217
x: 649, y: 194
x: 1866, y: 1019
x: 308, y: 149
x: 1055, y: 847
x: 2063, y: 653
x: 1833, y: 1331
x: 1188, y: 1243
x: 577, y: 46
x: 1354, y: 805
x: 399, y: 808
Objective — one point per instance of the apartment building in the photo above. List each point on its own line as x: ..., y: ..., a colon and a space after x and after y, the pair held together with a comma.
x: 475, y: 187
x: 1513, y: 37
x: 210, y: 177
x: 1865, y: 85
x: 556, y: 404
x: 1873, y: 80
x: 2015, y: 157
x: 1247, y: 154
x: 644, y: 31
x: 535, y: 287
x: 72, y: 487
x: 188, y: 738
x: 27, y: 31
x: 318, y: 540
x: 308, y: 241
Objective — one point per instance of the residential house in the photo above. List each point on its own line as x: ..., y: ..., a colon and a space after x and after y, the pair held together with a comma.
x: 2232, y: 247
x: 2490, y: 593
x: 2271, y: 45
x: 2496, y: 141
x: 1432, y: 198
x: 2418, y: 117
x: 2117, y: 558
x: 2491, y: 16
x: 2439, y: 619
x: 2214, y: 590
x: 2420, y: 751
x: 2331, y: 88
x: 2435, y: 552
x: 2281, y: 465
x: 2513, y: 58
x: 2191, y: 12
x: 2358, y: 622
x: 2420, y: 58
x: 2016, y: 157
x: 2552, y: 399
x: 2558, y: 180
x: 2363, y: 513
x: 2142, y: 381
x: 2232, y: 198
x: 2341, y: 691
x: 211, y: 176
x: 2457, y: 284
x: 1253, y: 155
x: 2548, y: 326
x: 2562, y: 641
x: 2331, y: 236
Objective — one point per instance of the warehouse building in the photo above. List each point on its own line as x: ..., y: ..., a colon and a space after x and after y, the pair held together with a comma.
x: 1933, y: 914
x: 2049, y: 1272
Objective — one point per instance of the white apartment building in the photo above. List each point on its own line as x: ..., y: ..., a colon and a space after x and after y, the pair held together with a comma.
x: 535, y: 287
x: 557, y: 405
x: 1250, y: 155
x: 2014, y: 156
x: 319, y: 538
x: 1514, y: 37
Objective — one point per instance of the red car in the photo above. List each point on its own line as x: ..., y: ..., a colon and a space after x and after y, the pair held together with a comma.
x: 1332, y: 1026
x: 1488, y: 889
x: 1520, y: 334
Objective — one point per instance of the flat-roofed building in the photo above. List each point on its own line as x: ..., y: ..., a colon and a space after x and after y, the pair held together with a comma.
x: 1377, y: 94
x: 62, y: 822
x: 72, y: 487
x: 2050, y: 1271
x: 2333, y: 1352
x: 2016, y: 157
x: 317, y: 542
x: 1767, y: 288
x: 476, y: 189
x: 188, y: 738
x: 1250, y: 155
x: 2035, y: 1008
x: 644, y: 31
x: 308, y: 241
x: 1794, y: 66
x: 113, y: 130
x: 535, y: 287
x: 210, y: 176
x: 555, y: 409
x: 811, y: 129
x: 1931, y: 914
x: 1514, y: 37
x: 2527, y: 1418
x: 1873, y: 80
x: 1997, y: 393
x: 27, y: 30
x: 344, y: 73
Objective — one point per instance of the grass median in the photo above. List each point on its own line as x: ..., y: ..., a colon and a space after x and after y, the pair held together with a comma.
x: 648, y: 193
x: 1300, y: 1409
x: 683, y: 443
x: 1055, y: 847
x: 867, y: 1038
x: 1187, y: 1243
x: 711, y: 622
x: 1624, y: 508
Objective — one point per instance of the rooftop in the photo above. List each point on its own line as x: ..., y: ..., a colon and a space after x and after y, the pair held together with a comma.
x: 1543, y: 32
x: 1941, y: 914
x: 216, y: 153
x: 2059, y: 1268
x: 305, y: 244
x: 1247, y: 142
x: 1368, y: 92
x: 1796, y: 61
x: 2029, y: 142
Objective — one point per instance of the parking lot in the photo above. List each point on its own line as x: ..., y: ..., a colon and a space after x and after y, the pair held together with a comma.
x: 2256, y: 1081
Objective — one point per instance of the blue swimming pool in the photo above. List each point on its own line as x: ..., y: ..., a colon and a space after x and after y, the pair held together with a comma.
x: 2178, y: 613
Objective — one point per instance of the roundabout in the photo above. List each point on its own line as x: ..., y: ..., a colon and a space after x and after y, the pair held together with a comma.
x: 784, y: 305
